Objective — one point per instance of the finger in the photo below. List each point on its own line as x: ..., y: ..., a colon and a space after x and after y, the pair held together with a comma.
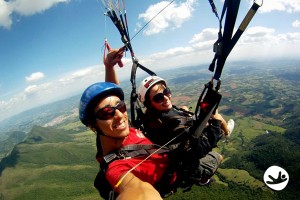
x: 120, y: 55
x: 120, y: 63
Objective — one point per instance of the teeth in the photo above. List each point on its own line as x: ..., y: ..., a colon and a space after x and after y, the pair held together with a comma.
x: 121, y: 125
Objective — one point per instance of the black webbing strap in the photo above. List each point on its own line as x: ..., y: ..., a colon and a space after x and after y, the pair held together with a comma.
x: 135, y: 108
x: 226, y: 42
x: 207, y: 104
x: 134, y: 150
x: 230, y: 7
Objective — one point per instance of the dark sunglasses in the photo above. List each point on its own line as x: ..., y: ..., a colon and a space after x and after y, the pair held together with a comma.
x: 160, y: 97
x: 109, y: 111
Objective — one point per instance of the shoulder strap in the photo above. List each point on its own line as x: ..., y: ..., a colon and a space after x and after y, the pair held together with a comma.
x: 135, y: 107
x: 131, y: 151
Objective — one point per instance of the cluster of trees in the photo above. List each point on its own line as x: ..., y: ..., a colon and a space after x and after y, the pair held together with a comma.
x: 272, y: 149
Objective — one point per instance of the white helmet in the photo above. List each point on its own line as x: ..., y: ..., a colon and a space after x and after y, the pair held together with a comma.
x: 146, y: 84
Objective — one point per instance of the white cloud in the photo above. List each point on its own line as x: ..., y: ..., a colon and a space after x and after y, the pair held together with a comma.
x: 30, y: 7
x: 78, y: 75
x: 296, y: 23
x: 204, y: 39
x: 264, y: 43
x: 206, y: 34
x: 256, y: 43
x: 258, y: 34
x: 290, y: 6
x: 31, y: 89
x: 23, y: 7
x: 34, y: 77
x: 172, y: 17
x: 267, y: 36
x: 5, y: 14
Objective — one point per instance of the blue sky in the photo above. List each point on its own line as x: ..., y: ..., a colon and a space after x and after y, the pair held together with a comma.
x: 53, y: 49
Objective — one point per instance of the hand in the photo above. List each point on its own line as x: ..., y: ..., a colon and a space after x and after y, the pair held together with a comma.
x: 185, y: 108
x: 113, y: 57
x: 134, y: 188
x: 217, y: 116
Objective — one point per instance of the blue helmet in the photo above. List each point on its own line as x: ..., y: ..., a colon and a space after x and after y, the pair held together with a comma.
x: 91, y: 97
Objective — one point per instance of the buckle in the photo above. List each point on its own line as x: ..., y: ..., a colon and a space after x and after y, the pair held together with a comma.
x: 109, y: 157
x: 122, y: 154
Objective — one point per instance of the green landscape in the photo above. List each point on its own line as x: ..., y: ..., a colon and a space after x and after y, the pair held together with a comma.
x: 46, y: 153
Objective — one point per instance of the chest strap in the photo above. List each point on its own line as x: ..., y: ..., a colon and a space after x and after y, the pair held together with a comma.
x: 131, y: 151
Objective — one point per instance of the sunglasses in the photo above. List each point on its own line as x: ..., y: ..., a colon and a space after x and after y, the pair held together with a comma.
x: 110, y: 111
x: 160, y: 97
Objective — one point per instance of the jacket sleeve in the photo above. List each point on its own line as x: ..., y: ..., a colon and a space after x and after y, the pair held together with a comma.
x: 207, y: 140
x: 213, y: 132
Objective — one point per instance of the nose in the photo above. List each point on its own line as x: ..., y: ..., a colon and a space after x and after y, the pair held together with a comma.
x: 118, y: 114
x: 167, y: 97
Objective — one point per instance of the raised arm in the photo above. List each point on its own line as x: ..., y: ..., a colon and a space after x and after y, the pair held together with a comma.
x: 113, y: 57
x: 134, y: 188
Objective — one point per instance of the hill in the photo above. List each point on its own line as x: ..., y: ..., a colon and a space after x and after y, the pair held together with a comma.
x: 50, y: 164
x: 7, y: 144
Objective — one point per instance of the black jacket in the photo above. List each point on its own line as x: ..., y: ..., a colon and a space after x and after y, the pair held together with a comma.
x: 161, y: 127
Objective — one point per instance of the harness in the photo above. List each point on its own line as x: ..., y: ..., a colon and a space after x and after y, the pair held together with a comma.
x: 129, y: 151
x: 178, y: 122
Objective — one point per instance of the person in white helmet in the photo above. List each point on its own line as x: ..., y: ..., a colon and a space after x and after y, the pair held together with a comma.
x: 164, y: 122
x: 156, y: 97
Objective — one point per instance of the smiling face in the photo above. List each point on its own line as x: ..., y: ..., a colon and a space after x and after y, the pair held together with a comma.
x: 165, y: 103
x: 117, y: 126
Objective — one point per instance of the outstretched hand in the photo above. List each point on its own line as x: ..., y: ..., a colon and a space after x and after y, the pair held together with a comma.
x: 113, y: 57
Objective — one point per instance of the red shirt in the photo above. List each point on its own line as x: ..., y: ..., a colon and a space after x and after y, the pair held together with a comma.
x: 151, y: 170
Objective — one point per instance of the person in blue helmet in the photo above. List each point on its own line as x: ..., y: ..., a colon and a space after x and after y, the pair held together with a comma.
x: 103, y: 110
